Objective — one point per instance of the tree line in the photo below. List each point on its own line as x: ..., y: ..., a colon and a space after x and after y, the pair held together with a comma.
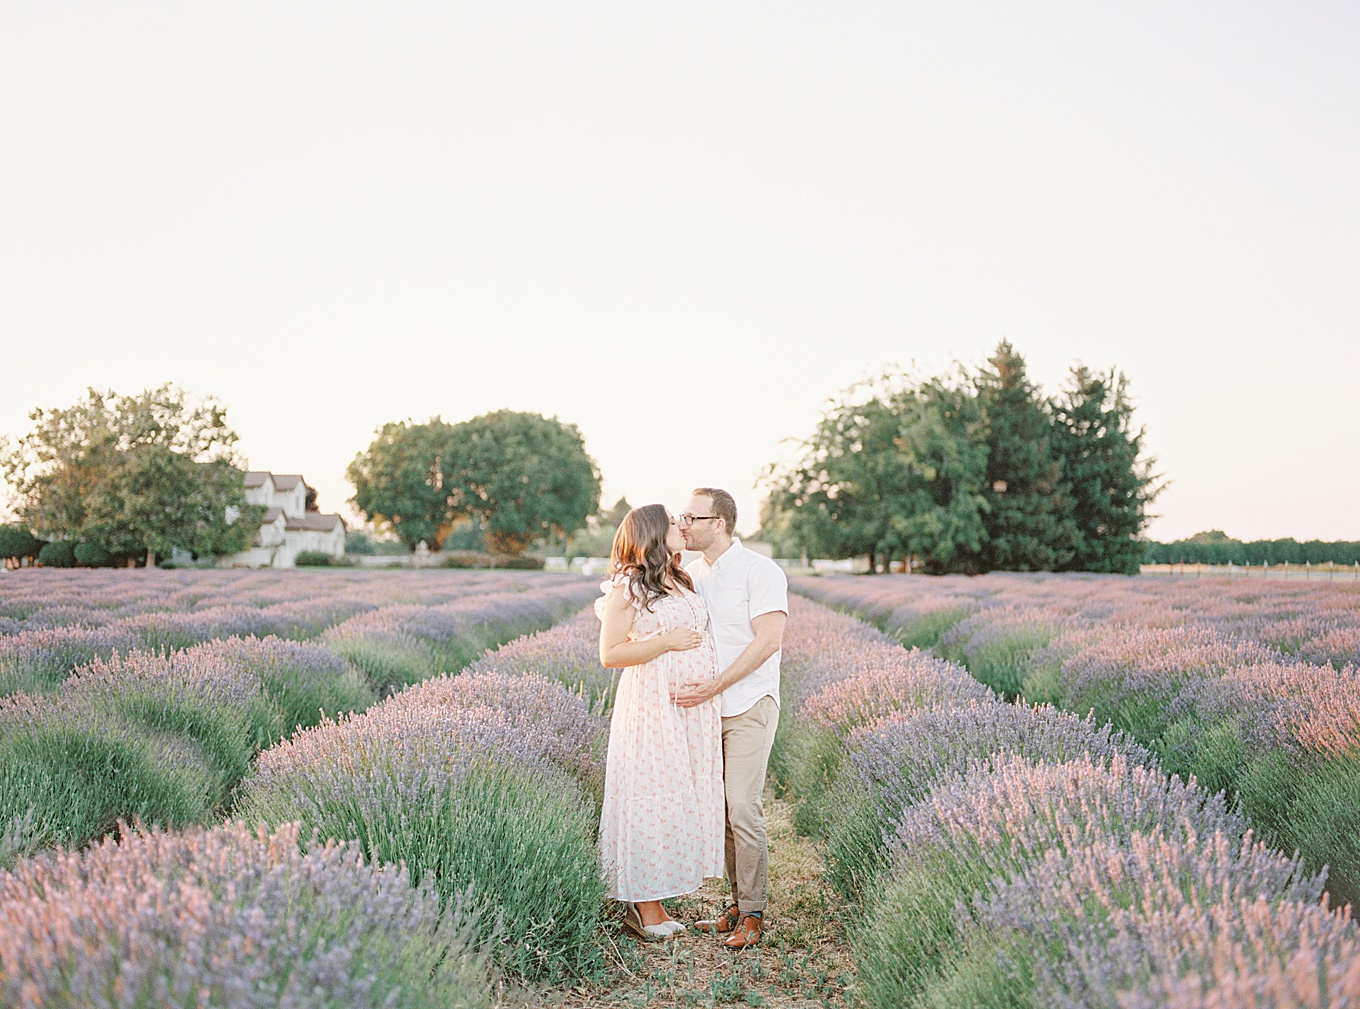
x: 971, y: 471
x: 115, y: 480
x: 1216, y: 547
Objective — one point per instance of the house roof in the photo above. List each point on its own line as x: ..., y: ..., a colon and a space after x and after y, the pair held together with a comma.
x: 256, y: 477
x: 271, y: 515
x: 287, y: 481
x: 315, y: 521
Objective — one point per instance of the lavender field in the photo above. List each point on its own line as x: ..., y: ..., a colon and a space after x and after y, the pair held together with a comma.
x: 148, y: 696
x: 1156, y: 803
x: 383, y: 789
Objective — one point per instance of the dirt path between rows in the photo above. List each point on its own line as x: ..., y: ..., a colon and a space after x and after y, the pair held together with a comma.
x: 802, y: 963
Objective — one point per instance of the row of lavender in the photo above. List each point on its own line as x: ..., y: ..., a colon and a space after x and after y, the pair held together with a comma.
x: 50, y: 597
x: 1253, y: 689
x: 53, y: 621
x: 452, y: 832
x: 1016, y: 855
x: 165, y: 736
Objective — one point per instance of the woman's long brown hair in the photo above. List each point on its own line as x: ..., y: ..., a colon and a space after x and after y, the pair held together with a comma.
x: 641, y: 554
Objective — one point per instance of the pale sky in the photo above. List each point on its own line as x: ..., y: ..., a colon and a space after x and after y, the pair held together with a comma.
x: 683, y: 226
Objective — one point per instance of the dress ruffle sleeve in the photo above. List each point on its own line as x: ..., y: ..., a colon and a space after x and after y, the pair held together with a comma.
x: 607, y: 585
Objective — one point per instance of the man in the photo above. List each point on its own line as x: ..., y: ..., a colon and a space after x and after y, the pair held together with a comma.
x: 748, y: 605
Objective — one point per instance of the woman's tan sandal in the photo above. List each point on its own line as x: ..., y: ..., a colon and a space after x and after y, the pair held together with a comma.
x: 632, y: 921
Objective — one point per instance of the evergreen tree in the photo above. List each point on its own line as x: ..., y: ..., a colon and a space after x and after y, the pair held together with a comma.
x: 1029, y: 523
x: 1110, y: 485
x: 971, y: 472
x: 941, y: 517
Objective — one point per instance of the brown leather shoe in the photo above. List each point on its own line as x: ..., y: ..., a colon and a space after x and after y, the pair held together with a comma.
x: 746, y: 934
x: 725, y: 922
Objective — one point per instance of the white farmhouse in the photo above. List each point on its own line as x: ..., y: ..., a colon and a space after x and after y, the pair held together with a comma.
x: 288, y: 528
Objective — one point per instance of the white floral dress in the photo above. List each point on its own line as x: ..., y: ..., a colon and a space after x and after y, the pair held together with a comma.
x: 661, y: 827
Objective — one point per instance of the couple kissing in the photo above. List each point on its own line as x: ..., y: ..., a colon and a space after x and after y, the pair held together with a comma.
x: 694, y: 715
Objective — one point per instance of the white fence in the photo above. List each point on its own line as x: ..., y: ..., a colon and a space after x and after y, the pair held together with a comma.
x: 1328, y: 572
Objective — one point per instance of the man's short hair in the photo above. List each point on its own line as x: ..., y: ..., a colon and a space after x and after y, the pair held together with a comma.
x: 723, y: 506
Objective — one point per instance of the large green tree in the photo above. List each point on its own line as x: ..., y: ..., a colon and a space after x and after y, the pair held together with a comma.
x: 401, y: 482
x: 838, y: 498
x: 892, y: 471
x: 1029, y: 520
x: 524, y: 476
x: 1106, y: 474
x: 968, y: 472
x: 942, y: 445
x: 133, y: 475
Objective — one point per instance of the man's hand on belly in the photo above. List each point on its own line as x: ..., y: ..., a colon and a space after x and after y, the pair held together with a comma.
x: 696, y: 692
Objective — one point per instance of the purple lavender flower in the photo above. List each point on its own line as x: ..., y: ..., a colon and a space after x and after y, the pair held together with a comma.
x: 230, y: 917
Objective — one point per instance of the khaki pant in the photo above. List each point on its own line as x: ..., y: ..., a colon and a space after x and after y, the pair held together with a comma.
x: 746, y: 740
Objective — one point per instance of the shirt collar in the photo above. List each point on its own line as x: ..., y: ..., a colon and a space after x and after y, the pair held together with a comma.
x: 736, y: 545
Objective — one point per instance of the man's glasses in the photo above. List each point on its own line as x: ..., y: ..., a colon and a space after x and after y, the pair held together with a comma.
x: 688, y: 520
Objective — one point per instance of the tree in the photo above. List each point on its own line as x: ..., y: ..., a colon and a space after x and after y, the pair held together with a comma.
x: 943, y: 447
x: 1029, y: 519
x: 969, y: 472
x: 133, y: 475
x: 893, y: 474
x: 401, y: 482
x: 838, y: 499
x: 1108, y: 479
x: 17, y: 544
x: 58, y: 554
x: 524, y: 476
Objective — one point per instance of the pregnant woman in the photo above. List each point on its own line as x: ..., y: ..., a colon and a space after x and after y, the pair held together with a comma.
x: 661, y: 827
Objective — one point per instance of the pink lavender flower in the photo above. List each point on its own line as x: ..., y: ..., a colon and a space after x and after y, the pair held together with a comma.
x: 1121, y: 914
x: 1013, y: 810
x: 232, y: 918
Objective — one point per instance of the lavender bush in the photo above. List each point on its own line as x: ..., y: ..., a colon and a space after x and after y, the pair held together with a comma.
x: 230, y: 918
x: 568, y: 653
x: 217, y: 706
x: 303, y: 682
x: 997, y: 645
x: 81, y: 767
x: 167, y: 734
x: 1093, y: 923
x: 38, y: 660
x: 1259, y: 955
x: 468, y: 780
x: 565, y: 731
x: 977, y: 832
x: 893, y: 766
x: 68, y: 618
x: 399, y: 645
x: 1098, y: 882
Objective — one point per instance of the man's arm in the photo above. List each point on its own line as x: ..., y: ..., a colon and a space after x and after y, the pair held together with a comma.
x: 769, y: 628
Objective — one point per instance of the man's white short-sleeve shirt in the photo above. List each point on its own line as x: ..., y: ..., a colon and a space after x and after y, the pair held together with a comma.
x: 738, y: 586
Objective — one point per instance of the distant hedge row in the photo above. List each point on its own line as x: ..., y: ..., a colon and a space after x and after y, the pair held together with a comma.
x: 17, y: 543
x: 1219, y: 549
